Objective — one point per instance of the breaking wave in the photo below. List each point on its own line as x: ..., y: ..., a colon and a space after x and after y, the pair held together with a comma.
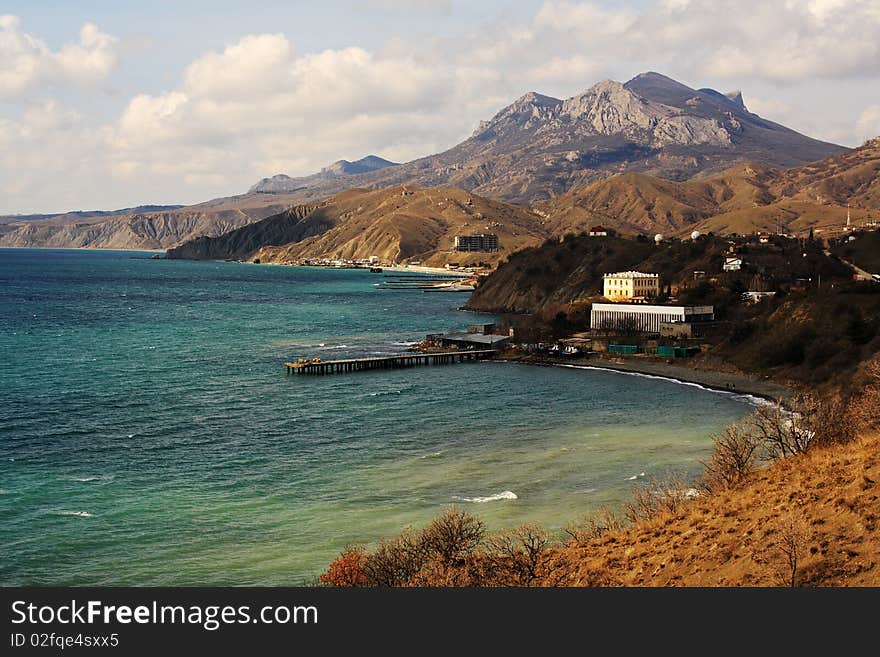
x: 505, y: 495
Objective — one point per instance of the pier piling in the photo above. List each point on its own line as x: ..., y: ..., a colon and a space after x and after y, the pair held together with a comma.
x: 386, y: 362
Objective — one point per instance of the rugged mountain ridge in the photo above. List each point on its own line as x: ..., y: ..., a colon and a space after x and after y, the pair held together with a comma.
x: 405, y: 223
x: 539, y: 147
x: 536, y: 150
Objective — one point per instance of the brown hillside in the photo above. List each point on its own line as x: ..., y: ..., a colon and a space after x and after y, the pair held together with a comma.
x: 744, y: 199
x: 727, y: 539
x: 404, y: 224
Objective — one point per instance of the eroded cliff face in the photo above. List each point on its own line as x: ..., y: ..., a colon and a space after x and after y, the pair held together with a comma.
x: 157, y: 230
x: 154, y: 231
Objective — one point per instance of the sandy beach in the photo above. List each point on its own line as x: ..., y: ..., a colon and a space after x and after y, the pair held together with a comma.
x: 715, y: 380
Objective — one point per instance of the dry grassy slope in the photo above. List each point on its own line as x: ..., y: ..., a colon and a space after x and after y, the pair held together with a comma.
x: 726, y: 540
x: 743, y: 199
x: 406, y: 224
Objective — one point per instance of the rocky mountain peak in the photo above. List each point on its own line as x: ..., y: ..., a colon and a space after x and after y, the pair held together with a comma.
x: 363, y: 165
x: 736, y: 98
x: 609, y: 107
x: 527, y: 111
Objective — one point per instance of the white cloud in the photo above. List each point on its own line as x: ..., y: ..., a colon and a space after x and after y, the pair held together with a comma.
x: 576, y: 69
x: 782, y: 41
x: 442, y: 7
x: 868, y: 125
x: 26, y: 61
x: 259, y: 106
x: 770, y: 108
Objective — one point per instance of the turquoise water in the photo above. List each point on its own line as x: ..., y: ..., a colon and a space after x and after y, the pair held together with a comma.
x: 149, y: 434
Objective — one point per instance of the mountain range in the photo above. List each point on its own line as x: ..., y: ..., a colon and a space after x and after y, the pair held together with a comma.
x: 407, y: 223
x: 648, y: 155
x: 539, y: 147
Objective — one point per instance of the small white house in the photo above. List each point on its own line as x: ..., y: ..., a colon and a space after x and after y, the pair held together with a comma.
x: 732, y: 263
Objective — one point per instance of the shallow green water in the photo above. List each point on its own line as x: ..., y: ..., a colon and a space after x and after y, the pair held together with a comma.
x: 149, y: 435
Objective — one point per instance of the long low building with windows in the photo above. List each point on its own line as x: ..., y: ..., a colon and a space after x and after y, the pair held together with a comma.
x: 644, y: 318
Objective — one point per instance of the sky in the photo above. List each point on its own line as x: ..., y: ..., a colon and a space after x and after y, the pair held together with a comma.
x: 106, y: 104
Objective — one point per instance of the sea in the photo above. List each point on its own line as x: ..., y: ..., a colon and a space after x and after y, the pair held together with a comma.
x: 149, y: 433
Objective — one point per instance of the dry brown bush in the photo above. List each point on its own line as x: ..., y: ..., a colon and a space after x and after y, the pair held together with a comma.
x: 810, y: 421
x: 656, y: 497
x: 594, y: 526
x: 440, y: 549
x: 518, y: 555
x: 452, y: 537
x: 788, y: 543
x: 733, y: 459
x: 395, y: 561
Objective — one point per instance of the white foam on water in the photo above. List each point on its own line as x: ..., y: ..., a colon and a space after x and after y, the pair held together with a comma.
x: 78, y: 514
x: 749, y: 398
x: 636, y: 476
x: 504, y: 495
x: 433, y: 455
x: 384, y: 393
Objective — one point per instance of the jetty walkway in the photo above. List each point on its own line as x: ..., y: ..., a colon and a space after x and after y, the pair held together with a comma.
x: 305, y: 366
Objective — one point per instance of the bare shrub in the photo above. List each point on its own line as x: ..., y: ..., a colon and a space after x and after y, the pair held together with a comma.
x: 657, y: 497
x: 791, y: 537
x: 811, y: 421
x: 520, y: 553
x: 452, y: 537
x: 733, y: 459
x: 594, y: 526
x: 395, y: 561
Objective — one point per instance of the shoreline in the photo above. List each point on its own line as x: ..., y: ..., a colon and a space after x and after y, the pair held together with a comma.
x: 737, y: 384
x: 81, y: 248
x: 424, y: 270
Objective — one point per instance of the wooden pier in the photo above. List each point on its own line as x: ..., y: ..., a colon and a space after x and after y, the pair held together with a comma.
x: 387, y: 362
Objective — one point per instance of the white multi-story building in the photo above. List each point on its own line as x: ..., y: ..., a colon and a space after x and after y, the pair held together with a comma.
x: 627, y: 285
x: 645, y: 318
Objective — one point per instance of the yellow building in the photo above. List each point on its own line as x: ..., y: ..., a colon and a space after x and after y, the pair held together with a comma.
x: 628, y: 285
